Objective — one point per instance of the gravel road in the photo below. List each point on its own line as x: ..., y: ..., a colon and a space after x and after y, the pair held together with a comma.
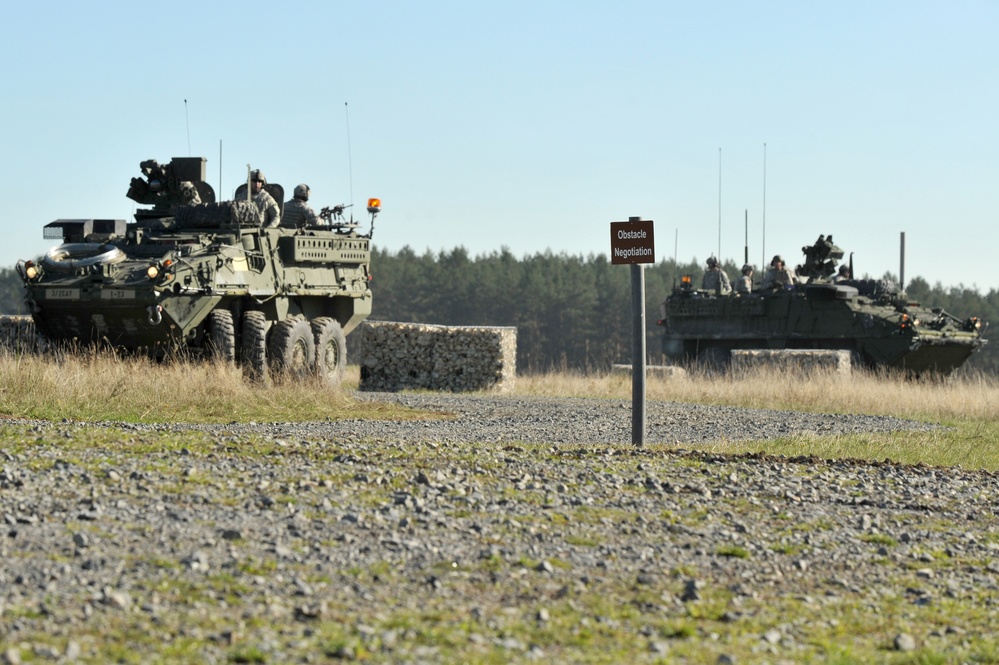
x: 520, y: 529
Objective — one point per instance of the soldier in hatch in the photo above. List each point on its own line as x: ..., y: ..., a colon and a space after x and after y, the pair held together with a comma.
x: 778, y: 276
x: 265, y: 202
x: 189, y: 193
x: 745, y: 282
x: 843, y: 274
x: 715, y: 279
x: 297, y: 211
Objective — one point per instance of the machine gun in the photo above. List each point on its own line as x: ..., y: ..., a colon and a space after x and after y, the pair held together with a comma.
x: 329, y: 214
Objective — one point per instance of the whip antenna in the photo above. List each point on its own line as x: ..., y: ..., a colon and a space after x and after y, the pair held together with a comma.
x: 763, y: 255
x: 676, y: 245
x: 719, y: 204
x: 350, y: 163
x: 188, y: 120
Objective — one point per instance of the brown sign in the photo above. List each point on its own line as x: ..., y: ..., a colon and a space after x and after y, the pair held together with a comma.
x: 632, y: 242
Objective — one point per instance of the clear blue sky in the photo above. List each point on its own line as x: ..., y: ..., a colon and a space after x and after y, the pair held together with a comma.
x: 531, y: 125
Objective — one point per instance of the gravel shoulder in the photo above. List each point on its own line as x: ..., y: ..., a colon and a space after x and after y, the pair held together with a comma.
x: 519, y: 530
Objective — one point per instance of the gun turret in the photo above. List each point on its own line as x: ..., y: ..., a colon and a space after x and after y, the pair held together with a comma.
x: 820, y: 259
x: 164, y: 186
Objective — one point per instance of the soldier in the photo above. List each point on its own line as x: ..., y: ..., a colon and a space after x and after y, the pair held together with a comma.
x: 189, y: 193
x: 297, y: 212
x: 778, y: 276
x: 843, y: 274
x: 265, y: 202
x: 745, y: 283
x: 715, y: 279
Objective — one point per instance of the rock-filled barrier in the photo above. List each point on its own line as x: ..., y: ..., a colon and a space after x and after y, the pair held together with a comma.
x: 18, y: 335
x: 805, y: 361
x: 399, y: 356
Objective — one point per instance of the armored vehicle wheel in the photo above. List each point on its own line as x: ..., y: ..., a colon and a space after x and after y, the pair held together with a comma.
x: 254, y: 346
x: 222, y: 336
x: 331, y: 350
x: 714, y: 359
x: 292, y: 350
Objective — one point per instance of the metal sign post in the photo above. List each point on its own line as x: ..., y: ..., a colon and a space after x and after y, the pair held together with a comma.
x: 632, y: 242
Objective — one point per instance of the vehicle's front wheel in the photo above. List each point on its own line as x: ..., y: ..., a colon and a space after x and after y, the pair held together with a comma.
x: 254, y: 346
x: 292, y: 349
x: 331, y: 350
x: 222, y: 336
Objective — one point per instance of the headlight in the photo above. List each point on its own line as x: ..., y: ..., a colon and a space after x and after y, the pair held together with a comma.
x: 153, y: 271
x: 31, y: 270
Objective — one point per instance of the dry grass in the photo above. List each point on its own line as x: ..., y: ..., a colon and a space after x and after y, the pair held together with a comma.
x: 972, y: 397
x: 102, y: 386
x: 85, y: 386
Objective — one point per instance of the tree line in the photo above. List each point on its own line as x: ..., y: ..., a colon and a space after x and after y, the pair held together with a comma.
x: 570, y: 311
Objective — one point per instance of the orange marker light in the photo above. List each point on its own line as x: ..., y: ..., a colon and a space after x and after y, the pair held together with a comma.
x: 374, y: 205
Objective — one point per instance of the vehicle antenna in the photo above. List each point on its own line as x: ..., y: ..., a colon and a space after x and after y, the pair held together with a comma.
x: 719, y: 204
x: 745, y: 252
x: 249, y: 183
x: 676, y: 242
x: 350, y: 163
x: 188, y: 120
x: 763, y: 255
x: 220, y: 167
x: 901, y: 263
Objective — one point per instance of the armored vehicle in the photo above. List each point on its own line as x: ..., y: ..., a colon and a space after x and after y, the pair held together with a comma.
x: 873, y: 319
x: 205, y: 278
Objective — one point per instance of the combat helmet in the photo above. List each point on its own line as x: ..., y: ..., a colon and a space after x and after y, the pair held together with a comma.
x: 302, y: 192
x: 257, y: 174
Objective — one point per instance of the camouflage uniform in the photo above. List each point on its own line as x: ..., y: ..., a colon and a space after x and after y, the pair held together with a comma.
x: 268, y: 207
x: 298, y: 213
x: 715, y: 279
x: 745, y: 282
x: 778, y: 278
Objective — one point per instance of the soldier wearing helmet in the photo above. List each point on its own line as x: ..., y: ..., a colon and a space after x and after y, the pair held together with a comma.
x: 189, y: 193
x: 745, y: 282
x: 297, y: 211
x: 265, y: 202
x: 715, y: 279
x: 778, y: 275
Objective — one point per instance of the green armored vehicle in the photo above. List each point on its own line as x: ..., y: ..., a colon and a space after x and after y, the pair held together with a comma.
x: 205, y: 278
x: 873, y: 319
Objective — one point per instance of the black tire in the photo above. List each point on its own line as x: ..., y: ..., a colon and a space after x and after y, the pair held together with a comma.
x: 714, y: 359
x: 222, y: 336
x: 292, y: 350
x: 254, y: 346
x: 331, y: 350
